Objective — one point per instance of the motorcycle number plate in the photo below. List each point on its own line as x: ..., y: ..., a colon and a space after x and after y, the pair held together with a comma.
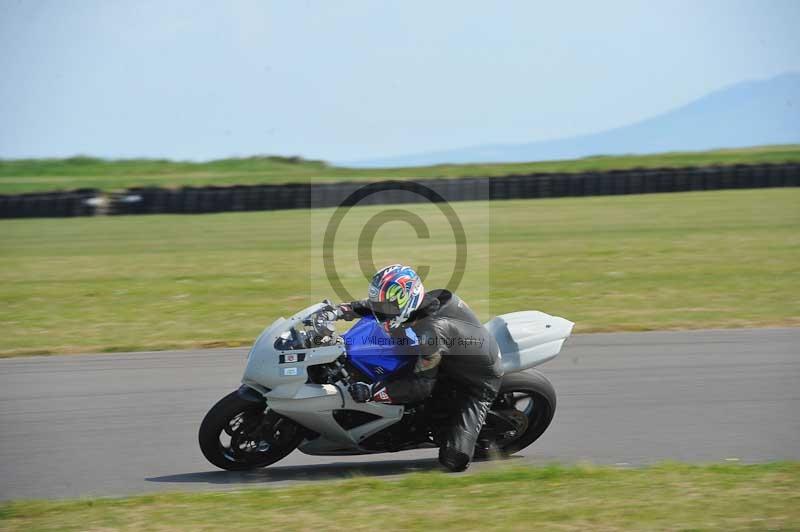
x: 289, y: 372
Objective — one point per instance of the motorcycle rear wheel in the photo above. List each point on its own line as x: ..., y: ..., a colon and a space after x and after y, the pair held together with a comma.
x: 529, y: 394
x: 238, y: 435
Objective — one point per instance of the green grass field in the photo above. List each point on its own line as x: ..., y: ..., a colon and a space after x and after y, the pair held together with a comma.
x: 613, y: 263
x: 665, y: 497
x: 38, y: 175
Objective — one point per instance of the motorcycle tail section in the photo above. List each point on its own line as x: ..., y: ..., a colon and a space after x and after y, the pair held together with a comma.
x: 528, y: 338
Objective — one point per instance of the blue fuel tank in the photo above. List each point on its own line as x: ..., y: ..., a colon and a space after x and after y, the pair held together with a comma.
x: 376, y: 354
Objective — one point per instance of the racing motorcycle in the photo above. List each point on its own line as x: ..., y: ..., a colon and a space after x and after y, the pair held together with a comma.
x: 294, y: 392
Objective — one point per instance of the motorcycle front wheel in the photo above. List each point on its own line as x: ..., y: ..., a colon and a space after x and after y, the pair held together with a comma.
x: 520, y: 414
x: 238, y: 435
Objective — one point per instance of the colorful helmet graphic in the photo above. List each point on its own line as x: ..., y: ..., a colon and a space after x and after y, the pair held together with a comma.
x: 394, y: 293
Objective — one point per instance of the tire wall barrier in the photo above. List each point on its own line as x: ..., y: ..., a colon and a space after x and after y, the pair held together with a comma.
x: 83, y: 202
x: 193, y: 200
x: 301, y: 196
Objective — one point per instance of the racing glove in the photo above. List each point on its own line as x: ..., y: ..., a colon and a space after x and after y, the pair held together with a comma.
x: 361, y: 392
x: 345, y: 312
x: 355, y: 309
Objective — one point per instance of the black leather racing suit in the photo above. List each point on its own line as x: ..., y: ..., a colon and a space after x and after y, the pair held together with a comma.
x: 455, y: 345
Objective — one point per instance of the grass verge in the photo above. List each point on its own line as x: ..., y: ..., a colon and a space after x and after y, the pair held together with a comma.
x: 41, y: 175
x: 664, y: 497
x: 623, y: 263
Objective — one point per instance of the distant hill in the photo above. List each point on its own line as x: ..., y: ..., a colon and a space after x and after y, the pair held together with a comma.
x: 746, y: 114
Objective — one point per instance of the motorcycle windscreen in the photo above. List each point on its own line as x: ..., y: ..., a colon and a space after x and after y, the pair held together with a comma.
x: 377, y: 354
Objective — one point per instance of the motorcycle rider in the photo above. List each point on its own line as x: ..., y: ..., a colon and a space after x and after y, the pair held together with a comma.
x: 453, y: 344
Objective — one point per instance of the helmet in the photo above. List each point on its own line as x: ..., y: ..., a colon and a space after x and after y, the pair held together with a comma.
x: 394, y: 293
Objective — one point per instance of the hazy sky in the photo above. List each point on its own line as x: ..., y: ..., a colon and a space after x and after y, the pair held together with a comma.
x: 347, y: 80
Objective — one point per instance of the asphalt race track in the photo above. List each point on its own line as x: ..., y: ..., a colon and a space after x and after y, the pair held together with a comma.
x: 127, y: 423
